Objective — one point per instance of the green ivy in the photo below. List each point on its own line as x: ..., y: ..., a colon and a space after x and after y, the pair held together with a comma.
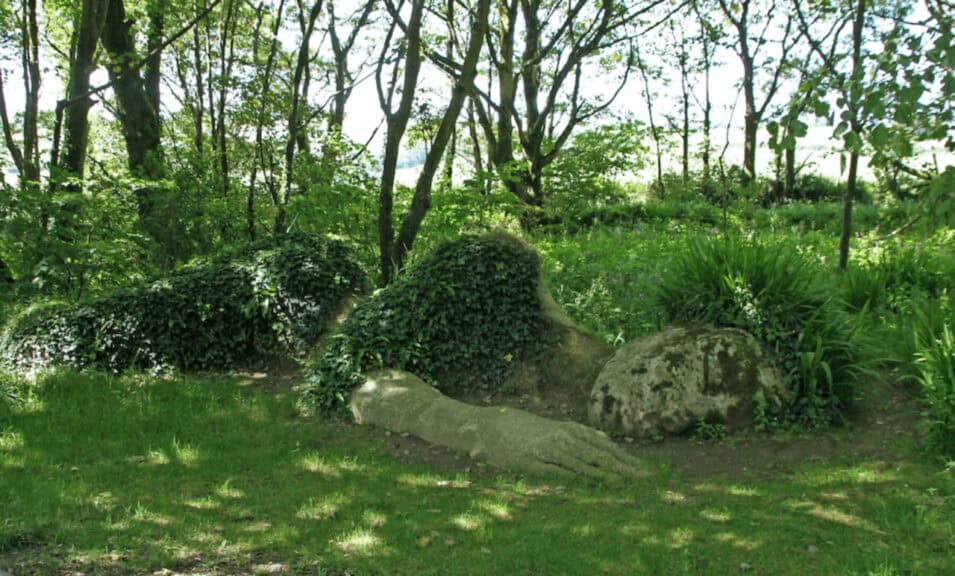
x: 265, y: 299
x: 461, y: 318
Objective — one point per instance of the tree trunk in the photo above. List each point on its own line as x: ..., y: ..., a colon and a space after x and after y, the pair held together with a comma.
x: 421, y: 202
x: 153, y: 71
x: 295, y: 123
x: 789, y: 184
x: 139, y: 120
x: 77, y: 104
x: 397, y: 123
x: 31, y: 80
x: 854, y: 100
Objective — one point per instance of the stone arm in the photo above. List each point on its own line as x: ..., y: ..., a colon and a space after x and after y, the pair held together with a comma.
x: 507, y: 438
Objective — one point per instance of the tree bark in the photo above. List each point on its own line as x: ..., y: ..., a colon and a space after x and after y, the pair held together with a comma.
x: 31, y: 81
x: 139, y: 120
x: 76, y: 112
x: 421, y: 201
x: 295, y: 123
x: 855, y: 98
x: 152, y: 73
x: 397, y: 123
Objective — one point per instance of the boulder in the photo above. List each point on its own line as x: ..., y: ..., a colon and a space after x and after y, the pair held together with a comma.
x: 667, y: 382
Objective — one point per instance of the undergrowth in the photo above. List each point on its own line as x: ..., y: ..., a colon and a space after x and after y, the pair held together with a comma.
x: 779, y: 295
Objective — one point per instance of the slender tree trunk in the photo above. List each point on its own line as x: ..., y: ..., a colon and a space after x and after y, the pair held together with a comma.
x: 789, y: 184
x: 856, y: 125
x: 295, y: 124
x: 661, y: 190
x: 476, y: 153
x: 421, y: 201
x: 226, y: 61
x: 200, y: 113
x: 397, y: 123
x: 31, y: 81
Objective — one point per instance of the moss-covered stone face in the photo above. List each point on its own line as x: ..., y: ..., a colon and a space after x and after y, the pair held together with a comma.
x: 463, y: 317
x: 667, y: 382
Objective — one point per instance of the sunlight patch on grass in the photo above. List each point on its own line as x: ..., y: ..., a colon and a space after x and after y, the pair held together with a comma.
x: 322, y: 509
x: 359, y: 542
x: 861, y: 474
x: 157, y: 457
x: 747, y: 491
x: 204, y: 503
x: 671, y: 497
x: 679, y: 538
x: 104, y: 501
x: 229, y: 492
x: 258, y: 527
x: 841, y: 496
x: 373, y: 518
x: 832, y: 514
x: 497, y: 510
x: 143, y: 514
x: 315, y: 462
x: 184, y: 453
x: 432, y: 481
x: 737, y: 541
x: 720, y: 516
x: 583, y: 531
x: 469, y: 522
x: 838, y: 516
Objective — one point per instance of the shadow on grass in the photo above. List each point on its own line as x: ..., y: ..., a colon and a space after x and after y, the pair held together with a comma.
x: 136, y: 475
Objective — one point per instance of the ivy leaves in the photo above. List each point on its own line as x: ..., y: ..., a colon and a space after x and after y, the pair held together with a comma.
x: 460, y: 318
x: 265, y: 299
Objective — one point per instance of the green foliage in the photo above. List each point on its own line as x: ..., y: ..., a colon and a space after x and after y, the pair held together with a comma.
x: 268, y: 298
x: 935, y: 362
x: 461, y: 317
x: 633, y: 215
x: 776, y: 293
x: 584, y: 173
x: 898, y: 277
x: 605, y: 278
x: 816, y: 187
x: 71, y: 243
x: 826, y: 216
x: 710, y: 431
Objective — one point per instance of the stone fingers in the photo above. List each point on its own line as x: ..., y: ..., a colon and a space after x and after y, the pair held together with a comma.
x: 606, y: 454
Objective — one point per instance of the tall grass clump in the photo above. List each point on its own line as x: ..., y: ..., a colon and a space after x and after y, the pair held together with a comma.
x: 931, y: 329
x: 779, y: 295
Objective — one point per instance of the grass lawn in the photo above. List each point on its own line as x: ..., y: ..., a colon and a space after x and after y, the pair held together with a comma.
x: 135, y: 475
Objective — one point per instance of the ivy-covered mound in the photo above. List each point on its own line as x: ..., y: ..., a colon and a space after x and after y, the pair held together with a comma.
x: 266, y: 299
x: 461, y: 318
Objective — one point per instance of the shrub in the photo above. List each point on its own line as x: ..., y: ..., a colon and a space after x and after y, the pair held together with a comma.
x: 265, y: 299
x: 460, y: 318
x: 775, y: 293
